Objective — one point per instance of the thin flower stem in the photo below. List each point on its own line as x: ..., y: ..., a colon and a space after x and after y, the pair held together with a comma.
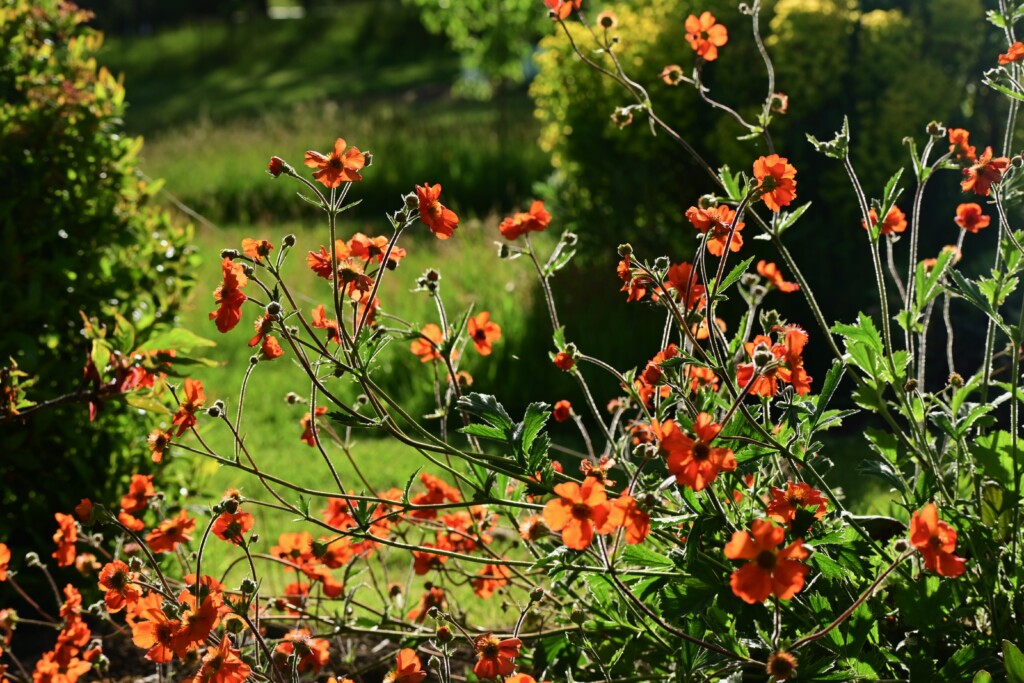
x: 380, y: 276
x: 27, y: 598
x: 895, y: 274
x: 545, y: 285
x: 856, y: 603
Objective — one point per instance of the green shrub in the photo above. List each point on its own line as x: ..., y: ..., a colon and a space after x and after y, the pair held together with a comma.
x: 80, y: 235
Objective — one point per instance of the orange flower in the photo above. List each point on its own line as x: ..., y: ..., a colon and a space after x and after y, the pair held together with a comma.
x: 491, y: 578
x: 61, y: 665
x: 577, y: 512
x: 229, y: 295
x: 294, y: 547
x: 140, y: 490
x: 166, y: 537
x: 982, y: 174
x: 785, y: 505
x: 768, y: 571
x: 716, y: 223
x: 562, y: 411
x: 197, y: 620
x: 313, y: 653
x: 232, y: 526
x: 194, y: 399
x: 65, y: 538
x: 971, y: 218
x: 625, y: 513
x: 536, y: 219
x: 960, y: 147
x: 936, y: 540
x: 1014, y: 54
x: 408, y: 668
x: 428, y: 343
x: 222, y: 664
x: 705, y: 36
x: 270, y: 348
x: 321, y: 321
x: 495, y: 657
x: 342, y: 166
x: 561, y: 9
x: 564, y: 361
x: 130, y: 522
x: 84, y: 510
x: 307, y: 426
x: 672, y: 74
x: 257, y: 250
x: 770, y: 272
x: 483, y: 332
x: 679, y: 278
x: 791, y: 351
x: 895, y: 221
x: 441, y: 220
x: 5, y: 561
x: 276, y: 166
x: 116, y: 579
x: 320, y: 261
x: 157, y: 633
x: 776, y: 181
x: 697, y: 463
x: 434, y: 597
x: 158, y: 441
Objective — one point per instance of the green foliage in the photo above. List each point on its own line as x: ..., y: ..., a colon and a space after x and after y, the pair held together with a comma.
x: 81, y: 235
x: 494, y: 38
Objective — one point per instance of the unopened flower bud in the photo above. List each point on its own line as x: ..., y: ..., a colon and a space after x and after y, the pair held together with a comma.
x: 444, y: 634
x: 911, y: 386
x: 936, y: 129
x: 288, y: 240
x: 433, y: 613
x: 901, y: 545
x: 255, y: 538
x: 577, y: 616
x: 607, y: 20
x: 503, y: 250
x: 276, y: 166
x: 229, y: 253
x: 707, y: 201
x: 248, y: 586
x: 32, y: 560
x: 291, y: 398
x: 135, y: 564
x: 247, y: 269
x: 762, y: 355
x: 625, y: 250
x: 661, y: 263
x: 253, y: 360
x: 274, y: 309
x: 412, y: 202
x: 432, y: 275
x: 536, y: 595
x: 367, y: 159
x: 570, y: 239
x: 956, y: 380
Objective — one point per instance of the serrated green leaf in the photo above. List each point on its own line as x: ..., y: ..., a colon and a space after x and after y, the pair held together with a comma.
x: 787, y: 219
x: 487, y: 408
x: 828, y: 388
x: 645, y: 557
x: 735, y: 274
x: 179, y: 339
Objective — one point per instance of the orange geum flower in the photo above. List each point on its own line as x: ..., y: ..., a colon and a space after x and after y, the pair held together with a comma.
x: 626, y: 514
x: 5, y: 561
x: 65, y: 537
x: 84, y: 510
x: 770, y: 272
x: 716, y: 224
x: 342, y: 165
x: 194, y: 399
x: 495, y: 657
x: 434, y: 597
x: 222, y: 664
x: 257, y: 250
x: 1014, y: 54
x: 785, y: 505
x: 320, y: 261
x: 426, y: 346
x: 936, y: 540
x: 229, y: 295
x: 537, y: 219
x: 895, y: 221
x: 489, y: 579
x: 140, y: 491
x: 313, y: 653
x: 157, y: 633
x: 960, y: 147
x: 681, y: 278
x: 577, y: 512
x: 117, y: 582
x: 307, y: 426
x: 484, y: 332
x: 130, y: 521
x: 158, y: 441
x: 562, y: 411
x: 441, y: 220
x: 979, y: 177
x: 768, y: 571
x: 322, y: 322
x: 794, y: 339
x: 166, y: 537
x: 705, y: 36
x: 408, y: 668
x: 697, y: 463
x: 232, y: 526
x: 971, y: 218
x: 295, y: 547
x: 776, y: 181
x: 561, y: 9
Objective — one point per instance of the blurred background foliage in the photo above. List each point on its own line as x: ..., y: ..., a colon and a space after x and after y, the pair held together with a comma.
x: 485, y: 98
x: 81, y: 234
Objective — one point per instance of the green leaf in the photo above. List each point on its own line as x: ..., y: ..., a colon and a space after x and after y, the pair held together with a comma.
x: 100, y: 354
x: 787, y: 219
x: 179, y: 339
x: 1014, y: 661
x: 971, y: 291
x: 146, y: 402
x: 828, y: 389
x: 994, y: 453
x: 735, y: 274
x: 731, y: 183
x: 645, y: 557
x: 982, y: 677
x: 537, y: 415
x: 487, y: 408
x: 484, y: 431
